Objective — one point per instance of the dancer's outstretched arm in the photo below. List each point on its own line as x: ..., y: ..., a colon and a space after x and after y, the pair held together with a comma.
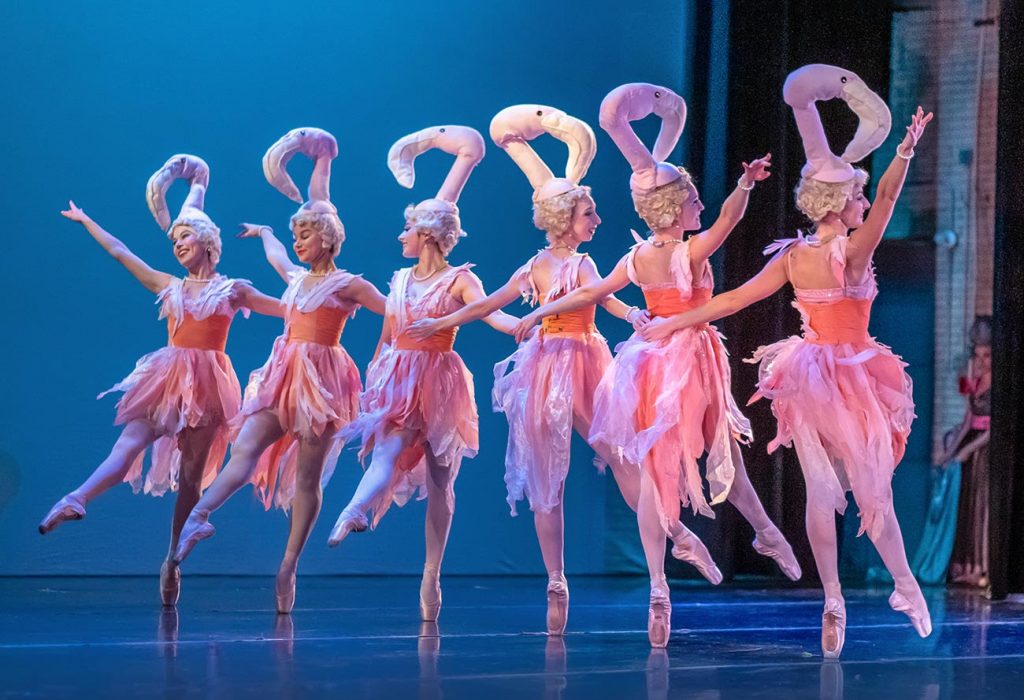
x: 481, y: 308
x: 583, y: 296
x: 277, y: 254
x: 363, y: 292
x: 470, y: 290
x: 865, y: 239
x: 611, y: 303
x: 765, y: 283
x: 151, y: 279
x: 704, y: 245
x: 247, y: 296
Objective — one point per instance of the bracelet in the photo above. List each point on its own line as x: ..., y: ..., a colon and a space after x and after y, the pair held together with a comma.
x: 266, y: 229
x: 902, y: 155
x: 739, y: 183
x: 629, y: 311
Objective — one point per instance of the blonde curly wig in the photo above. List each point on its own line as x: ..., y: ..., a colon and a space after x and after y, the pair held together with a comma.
x: 816, y: 199
x: 328, y: 225
x: 553, y: 215
x: 660, y: 208
x: 443, y: 226
x: 206, y: 233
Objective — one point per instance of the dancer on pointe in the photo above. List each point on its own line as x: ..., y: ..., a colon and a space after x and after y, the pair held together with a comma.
x: 180, y: 398
x: 662, y: 404
x: 418, y: 415
x: 841, y: 398
x: 551, y: 388
x: 285, y: 440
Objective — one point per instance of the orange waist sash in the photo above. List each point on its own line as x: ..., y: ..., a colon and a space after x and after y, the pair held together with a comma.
x: 845, y: 321
x: 442, y: 341
x: 579, y: 321
x: 209, y: 334
x: 668, y: 301
x: 322, y: 326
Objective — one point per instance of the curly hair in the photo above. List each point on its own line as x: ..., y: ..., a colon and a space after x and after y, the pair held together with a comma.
x: 661, y: 208
x: 817, y: 199
x: 328, y: 225
x: 206, y: 233
x: 443, y: 226
x: 554, y: 214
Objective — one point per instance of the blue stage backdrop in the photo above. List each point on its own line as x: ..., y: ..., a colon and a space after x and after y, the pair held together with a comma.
x: 99, y: 95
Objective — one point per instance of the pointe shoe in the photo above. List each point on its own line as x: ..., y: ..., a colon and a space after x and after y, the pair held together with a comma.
x: 833, y: 628
x: 284, y: 590
x: 558, y: 606
x: 196, y: 529
x: 430, y: 595
x: 170, y: 583
x: 688, y: 547
x: 659, y: 617
x: 771, y: 543
x: 912, y: 604
x: 348, y: 521
x: 67, y: 508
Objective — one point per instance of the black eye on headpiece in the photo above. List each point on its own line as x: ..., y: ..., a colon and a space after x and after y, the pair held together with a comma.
x: 657, y: 93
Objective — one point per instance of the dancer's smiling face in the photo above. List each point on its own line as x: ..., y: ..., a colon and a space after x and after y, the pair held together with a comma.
x: 857, y: 205
x: 412, y: 240
x: 689, y: 215
x: 189, y: 251
x: 584, y: 221
x: 309, y: 244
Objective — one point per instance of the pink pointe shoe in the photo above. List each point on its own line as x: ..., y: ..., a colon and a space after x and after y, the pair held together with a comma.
x: 558, y: 605
x: 67, y: 508
x: 771, y: 543
x: 196, y: 529
x: 688, y: 547
x: 659, y: 616
x: 348, y: 521
x: 284, y: 590
x: 907, y: 599
x: 430, y: 594
x: 170, y: 583
x: 833, y: 628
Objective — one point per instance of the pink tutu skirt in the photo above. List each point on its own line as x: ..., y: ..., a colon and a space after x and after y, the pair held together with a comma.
x: 429, y: 394
x: 847, y: 408
x: 661, y: 405
x: 313, y: 389
x: 173, y: 389
x: 553, y: 382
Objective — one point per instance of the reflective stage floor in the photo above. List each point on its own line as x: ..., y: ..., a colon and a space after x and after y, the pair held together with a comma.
x: 361, y: 638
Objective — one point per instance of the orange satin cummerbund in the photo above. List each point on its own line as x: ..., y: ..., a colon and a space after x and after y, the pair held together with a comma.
x: 845, y: 321
x: 668, y: 301
x: 579, y: 321
x: 322, y: 326
x: 209, y: 334
x: 442, y: 341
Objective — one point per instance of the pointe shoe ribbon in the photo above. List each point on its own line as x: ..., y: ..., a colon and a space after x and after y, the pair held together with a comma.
x: 558, y: 606
x: 67, y: 508
x: 284, y: 590
x: 659, y: 618
x: 170, y: 584
x: 348, y: 521
x: 833, y: 628
x: 771, y: 543
x: 430, y: 607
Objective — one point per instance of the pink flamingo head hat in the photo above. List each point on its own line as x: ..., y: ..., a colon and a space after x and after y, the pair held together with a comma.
x: 183, y: 166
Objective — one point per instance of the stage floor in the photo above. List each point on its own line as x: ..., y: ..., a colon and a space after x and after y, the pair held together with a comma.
x: 361, y: 638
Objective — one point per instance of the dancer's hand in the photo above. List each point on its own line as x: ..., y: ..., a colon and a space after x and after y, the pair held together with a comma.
x: 424, y: 328
x: 657, y: 329
x: 253, y: 230
x: 75, y: 214
x: 917, y: 124
x: 756, y: 170
x: 523, y: 328
x: 638, y: 318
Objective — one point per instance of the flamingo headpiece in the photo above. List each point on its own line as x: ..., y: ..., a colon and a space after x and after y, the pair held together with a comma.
x: 194, y: 169
x: 514, y: 127
x: 818, y: 81
x: 320, y: 147
x: 633, y: 101
x: 440, y: 213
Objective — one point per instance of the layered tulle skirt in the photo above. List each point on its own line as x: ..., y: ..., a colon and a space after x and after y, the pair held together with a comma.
x: 661, y: 405
x: 848, y: 409
x: 429, y: 395
x: 313, y: 390
x: 553, y: 381
x: 173, y: 389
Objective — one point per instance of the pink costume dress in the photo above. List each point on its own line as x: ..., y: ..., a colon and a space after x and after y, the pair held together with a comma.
x: 418, y: 386
x: 309, y: 382
x: 188, y: 384
x: 842, y: 397
x: 662, y: 404
x: 554, y: 379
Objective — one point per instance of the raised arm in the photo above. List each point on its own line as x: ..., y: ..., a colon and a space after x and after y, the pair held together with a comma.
x: 582, y: 296
x: 612, y: 304
x: 365, y: 294
x: 765, y: 283
x: 277, y: 254
x: 704, y: 245
x: 245, y: 295
x: 151, y: 279
x: 470, y: 290
x: 474, y: 311
x: 865, y: 239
